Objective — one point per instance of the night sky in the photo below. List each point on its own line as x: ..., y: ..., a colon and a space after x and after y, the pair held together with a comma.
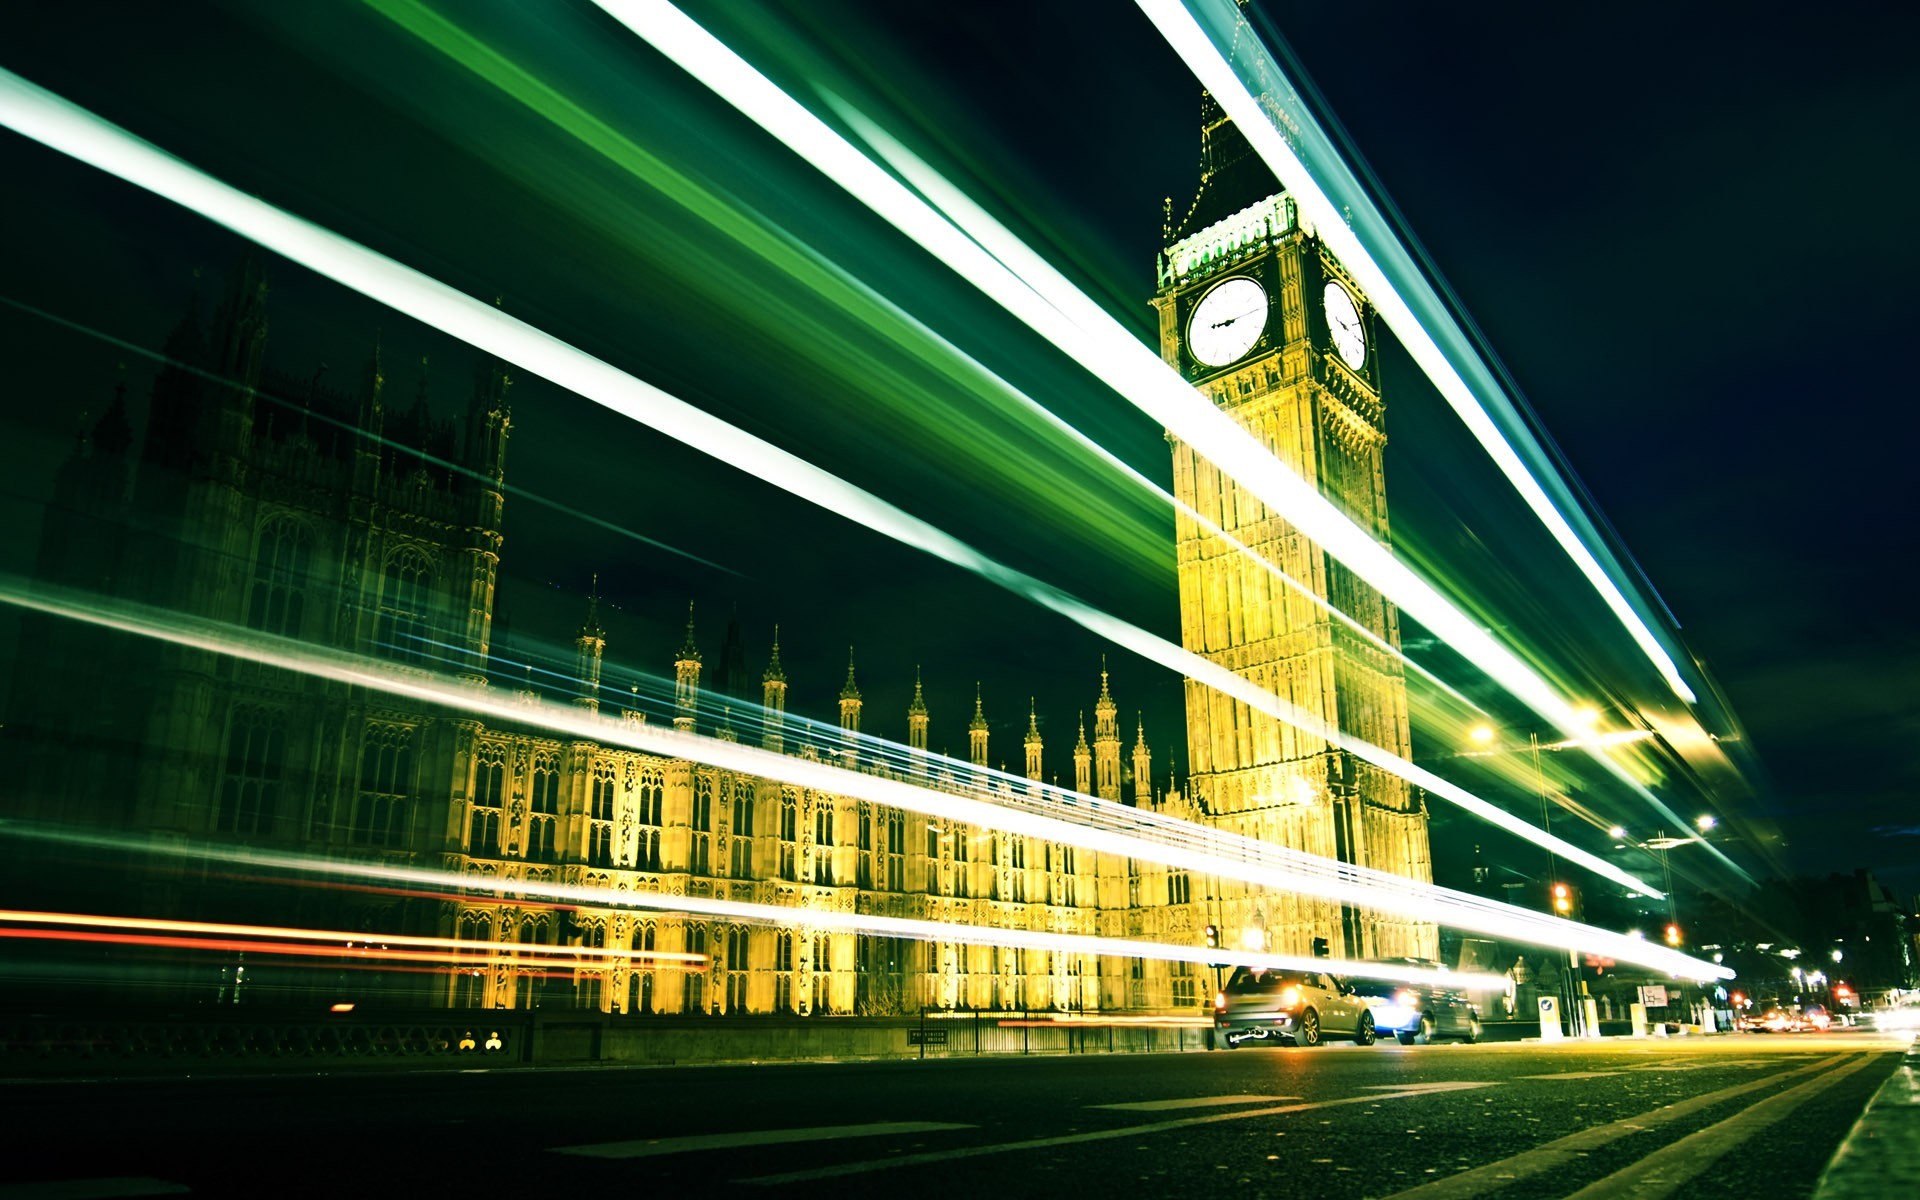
x: 1681, y: 227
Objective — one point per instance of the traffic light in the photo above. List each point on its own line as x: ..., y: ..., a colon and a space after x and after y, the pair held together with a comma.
x: 1673, y: 935
x: 1322, y: 948
x: 1563, y: 899
x: 1213, y: 937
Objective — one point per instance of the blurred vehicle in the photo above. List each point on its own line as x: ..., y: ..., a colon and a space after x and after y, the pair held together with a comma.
x: 1901, y: 1018
x: 1775, y: 1020
x: 1815, y: 1017
x: 1301, y: 1007
x: 1418, y: 1013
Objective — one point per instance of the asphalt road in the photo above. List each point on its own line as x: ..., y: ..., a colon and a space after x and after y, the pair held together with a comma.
x: 1737, y: 1116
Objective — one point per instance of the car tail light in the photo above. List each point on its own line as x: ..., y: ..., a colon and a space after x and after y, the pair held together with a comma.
x: 1406, y: 999
x: 1290, y: 998
x: 1219, y: 1002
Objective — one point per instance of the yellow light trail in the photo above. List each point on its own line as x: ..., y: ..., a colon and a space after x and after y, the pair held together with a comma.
x: 348, y: 942
x: 1073, y: 820
x: 64, y: 126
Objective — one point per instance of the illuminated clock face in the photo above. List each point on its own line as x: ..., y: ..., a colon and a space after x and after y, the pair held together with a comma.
x: 1343, y: 322
x: 1227, y: 322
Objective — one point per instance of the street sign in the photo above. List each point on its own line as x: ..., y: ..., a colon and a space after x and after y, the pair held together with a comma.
x: 1653, y: 995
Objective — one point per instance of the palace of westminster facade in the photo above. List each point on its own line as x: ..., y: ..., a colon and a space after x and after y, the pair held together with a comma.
x: 305, y: 520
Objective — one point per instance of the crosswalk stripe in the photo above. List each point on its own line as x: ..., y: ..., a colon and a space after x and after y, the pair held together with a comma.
x: 654, y: 1147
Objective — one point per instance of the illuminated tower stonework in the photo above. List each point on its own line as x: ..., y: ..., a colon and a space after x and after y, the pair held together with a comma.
x: 1261, y: 317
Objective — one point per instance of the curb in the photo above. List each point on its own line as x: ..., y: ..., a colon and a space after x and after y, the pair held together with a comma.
x: 1881, y: 1155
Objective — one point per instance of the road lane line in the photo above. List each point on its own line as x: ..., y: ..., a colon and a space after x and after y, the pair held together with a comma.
x: 1660, y: 1173
x: 654, y: 1147
x: 1098, y: 1135
x: 1469, y: 1185
x: 1194, y: 1102
x: 1572, y: 1075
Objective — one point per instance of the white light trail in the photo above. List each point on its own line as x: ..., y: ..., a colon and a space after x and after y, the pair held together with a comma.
x: 1056, y: 310
x: 1075, y: 820
x: 1356, y: 248
x: 1571, y: 936
x: 64, y: 126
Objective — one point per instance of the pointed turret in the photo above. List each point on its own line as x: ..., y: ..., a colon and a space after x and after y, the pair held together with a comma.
x: 686, y: 680
x: 1106, y: 741
x: 977, y: 731
x: 917, y: 718
x: 237, y: 344
x: 588, y: 647
x: 485, y: 488
x: 850, y: 703
x: 1033, y: 742
x: 368, y: 443
x: 773, y: 698
x: 1083, y: 761
x: 1142, y: 766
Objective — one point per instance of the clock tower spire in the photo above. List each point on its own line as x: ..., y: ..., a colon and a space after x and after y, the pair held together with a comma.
x: 1265, y: 321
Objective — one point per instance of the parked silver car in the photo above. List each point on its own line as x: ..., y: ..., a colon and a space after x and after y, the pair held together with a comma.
x: 1300, y: 1007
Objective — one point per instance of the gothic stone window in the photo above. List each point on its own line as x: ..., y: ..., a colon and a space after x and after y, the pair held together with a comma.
x: 590, y: 978
x: 734, y: 943
x: 1183, y: 990
x: 640, y: 983
x: 545, y: 806
x: 653, y: 791
x: 532, y: 975
x: 281, y: 562
x: 696, y: 979
x: 822, y: 973
x: 783, y: 971
x: 600, y: 816
x: 962, y: 869
x: 383, y: 810
x: 896, y: 851
x: 1179, y: 888
x: 489, y: 792
x: 701, y: 823
x: 823, y: 841
x: 789, y: 836
x: 256, y: 764
x: 741, y: 847
x: 470, y: 978
x: 864, y: 876
x: 401, y: 632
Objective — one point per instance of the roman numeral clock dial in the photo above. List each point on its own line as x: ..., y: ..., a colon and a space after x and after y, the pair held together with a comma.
x: 1227, y: 322
x: 1343, y: 324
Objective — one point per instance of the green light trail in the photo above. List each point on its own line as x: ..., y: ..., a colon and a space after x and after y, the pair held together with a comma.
x: 61, y: 125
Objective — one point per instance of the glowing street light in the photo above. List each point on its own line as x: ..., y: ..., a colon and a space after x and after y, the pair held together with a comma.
x: 1704, y: 822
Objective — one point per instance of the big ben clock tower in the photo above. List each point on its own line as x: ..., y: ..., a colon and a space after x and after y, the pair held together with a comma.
x: 1257, y: 313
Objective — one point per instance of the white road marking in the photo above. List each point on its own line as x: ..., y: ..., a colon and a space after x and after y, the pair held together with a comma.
x: 1193, y: 1102
x: 1669, y: 1168
x: 1477, y: 1182
x: 90, y: 1189
x: 1100, y: 1135
x: 653, y: 1147
x: 1571, y: 1075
